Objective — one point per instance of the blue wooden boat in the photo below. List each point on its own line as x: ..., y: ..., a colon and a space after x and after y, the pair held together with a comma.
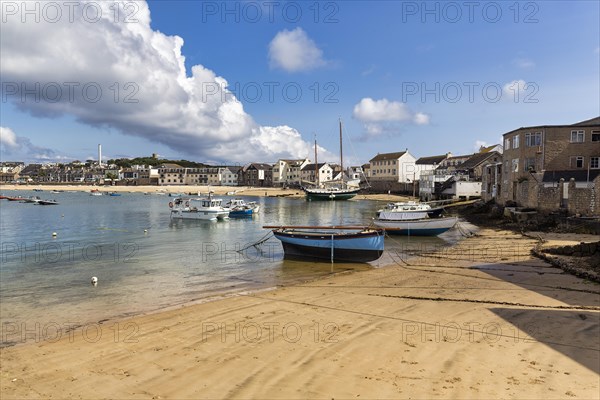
x: 115, y: 194
x: 331, y: 243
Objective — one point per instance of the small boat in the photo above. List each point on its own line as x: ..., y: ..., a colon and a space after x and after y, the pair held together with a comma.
x: 176, y: 194
x: 3, y: 197
x: 32, y: 199
x: 95, y: 193
x: 18, y: 198
x: 331, y: 243
x: 114, y: 194
x: 409, y: 210
x: 57, y: 191
x: 47, y: 202
x: 38, y: 190
x: 239, y: 208
x: 198, y: 208
x: 416, y: 227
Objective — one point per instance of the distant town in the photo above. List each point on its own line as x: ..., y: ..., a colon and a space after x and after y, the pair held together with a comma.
x: 548, y: 167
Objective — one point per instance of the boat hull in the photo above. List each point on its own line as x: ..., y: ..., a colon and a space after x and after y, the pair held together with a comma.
x: 421, y: 227
x: 360, y: 247
x: 241, y: 213
x: 323, y: 195
x: 199, y: 215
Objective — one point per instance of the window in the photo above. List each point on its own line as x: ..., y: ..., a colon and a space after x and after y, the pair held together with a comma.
x: 530, y: 164
x: 515, y: 165
x: 595, y: 136
x: 515, y: 142
x: 577, y: 136
x: 533, y: 139
x: 506, y: 144
x: 576, y: 162
x: 594, y: 162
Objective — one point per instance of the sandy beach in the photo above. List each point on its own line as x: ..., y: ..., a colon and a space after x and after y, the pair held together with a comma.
x: 480, y: 320
x: 217, y: 190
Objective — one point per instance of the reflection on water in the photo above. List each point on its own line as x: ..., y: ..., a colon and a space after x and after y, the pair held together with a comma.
x: 146, y: 261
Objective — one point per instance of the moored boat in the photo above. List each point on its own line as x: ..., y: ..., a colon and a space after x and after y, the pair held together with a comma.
x: 32, y: 199
x: 331, y: 243
x: 198, y: 208
x: 239, y: 208
x: 416, y: 227
x: 409, y: 210
x: 47, y: 202
x: 341, y: 192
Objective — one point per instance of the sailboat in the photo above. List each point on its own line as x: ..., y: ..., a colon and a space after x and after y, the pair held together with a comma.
x: 331, y: 193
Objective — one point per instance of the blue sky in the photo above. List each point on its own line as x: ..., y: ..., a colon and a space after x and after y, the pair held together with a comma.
x: 399, y: 74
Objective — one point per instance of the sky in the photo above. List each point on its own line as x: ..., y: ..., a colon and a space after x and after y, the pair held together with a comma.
x: 256, y: 81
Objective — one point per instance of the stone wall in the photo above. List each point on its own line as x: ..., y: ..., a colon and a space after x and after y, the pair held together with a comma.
x: 580, y: 200
x: 548, y: 198
x: 578, y: 250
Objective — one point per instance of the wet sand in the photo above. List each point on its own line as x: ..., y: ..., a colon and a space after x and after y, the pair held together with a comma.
x: 482, y: 319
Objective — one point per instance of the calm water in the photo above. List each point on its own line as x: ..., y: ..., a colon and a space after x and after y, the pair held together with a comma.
x: 144, y: 261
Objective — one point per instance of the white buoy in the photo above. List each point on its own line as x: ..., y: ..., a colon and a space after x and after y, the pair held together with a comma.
x: 145, y: 230
x: 94, y: 280
x: 53, y: 233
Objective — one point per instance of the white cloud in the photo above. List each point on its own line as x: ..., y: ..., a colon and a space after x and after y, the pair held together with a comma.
x: 421, y: 119
x: 369, y: 110
x: 21, y: 146
x: 515, y: 90
x: 8, y: 138
x: 194, y: 114
x: 381, y: 116
x: 524, y: 63
x: 294, y: 51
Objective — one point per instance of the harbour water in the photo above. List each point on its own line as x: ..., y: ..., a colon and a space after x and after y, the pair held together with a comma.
x: 144, y: 261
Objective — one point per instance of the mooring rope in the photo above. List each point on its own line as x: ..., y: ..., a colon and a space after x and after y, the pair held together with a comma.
x: 258, y: 243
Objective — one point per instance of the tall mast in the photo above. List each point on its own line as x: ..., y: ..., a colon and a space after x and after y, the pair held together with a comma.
x: 341, y: 154
x: 316, y: 164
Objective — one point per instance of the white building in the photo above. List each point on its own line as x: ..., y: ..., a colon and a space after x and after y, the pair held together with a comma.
x: 307, y: 173
x: 229, y: 176
x: 288, y: 172
x: 396, y: 167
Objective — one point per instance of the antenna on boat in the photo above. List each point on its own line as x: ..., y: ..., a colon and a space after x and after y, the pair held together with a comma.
x: 341, y: 154
x: 316, y: 164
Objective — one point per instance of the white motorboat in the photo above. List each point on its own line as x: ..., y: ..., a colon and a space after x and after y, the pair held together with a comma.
x: 198, y: 208
x: 416, y: 227
x: 410, y: 210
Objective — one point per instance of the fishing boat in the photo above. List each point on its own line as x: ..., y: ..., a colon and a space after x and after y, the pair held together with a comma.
x: 416, y: 227
x: 198, y: 208
x: 331, y: 243
x: 409, y: 210
x: 341, y: 192
x: 239, y: 208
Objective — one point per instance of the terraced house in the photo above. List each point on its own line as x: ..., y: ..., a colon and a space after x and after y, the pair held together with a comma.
x: 553, y: 166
